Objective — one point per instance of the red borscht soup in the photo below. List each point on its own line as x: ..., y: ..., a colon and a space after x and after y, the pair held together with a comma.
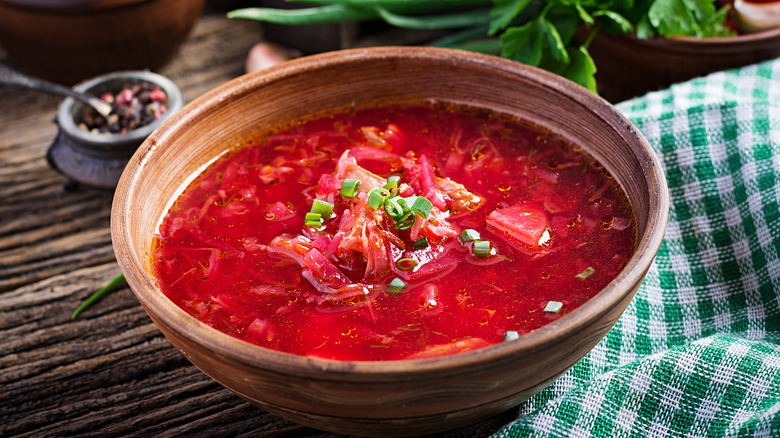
x: 394, y: 232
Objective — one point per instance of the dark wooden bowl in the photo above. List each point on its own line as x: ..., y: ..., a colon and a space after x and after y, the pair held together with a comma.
x: 67, y: 41
x: 629, y: 66
x: 398, y: 398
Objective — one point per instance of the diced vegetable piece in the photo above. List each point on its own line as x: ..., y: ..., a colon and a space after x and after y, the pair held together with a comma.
x: 313, y: 217
x: 323, y: 271
x: 323, y: 208
x: 422, y: 207
x: 347, y: 167
x: 420, y: 243
x: 553, y: 307
x: 349, y: 187
x: 460, y: 198
x: 481, y: 248
x: 586, y: 273
x: 510, y: 335
x: 526, y: 224
x: 468, y: 235
x: 396, y: 286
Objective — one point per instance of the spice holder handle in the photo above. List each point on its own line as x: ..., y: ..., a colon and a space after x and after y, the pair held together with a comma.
x: 9, y: 76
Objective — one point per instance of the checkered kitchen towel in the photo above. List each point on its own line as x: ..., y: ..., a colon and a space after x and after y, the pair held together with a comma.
x: 697, y: 352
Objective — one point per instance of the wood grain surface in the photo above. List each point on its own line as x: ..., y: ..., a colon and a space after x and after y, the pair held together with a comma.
x: 109, y: 372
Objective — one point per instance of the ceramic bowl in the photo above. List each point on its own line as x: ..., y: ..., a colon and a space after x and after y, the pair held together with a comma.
x: 399, y: 398
x: 96, y: 159
x: 67, y: 41
x: 629, y: 66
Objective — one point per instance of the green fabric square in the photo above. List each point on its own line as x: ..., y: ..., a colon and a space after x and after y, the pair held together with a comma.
x: 697, y: 352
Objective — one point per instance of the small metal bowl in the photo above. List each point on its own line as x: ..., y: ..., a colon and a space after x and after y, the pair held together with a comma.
x: 96, y: 159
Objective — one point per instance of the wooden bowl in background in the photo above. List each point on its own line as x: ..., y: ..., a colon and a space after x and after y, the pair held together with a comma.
x: 398, y: 398
x: 67, y: 41
x: 629, y: 66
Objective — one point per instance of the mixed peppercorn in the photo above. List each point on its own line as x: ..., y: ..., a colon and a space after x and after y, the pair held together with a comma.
x: 134, y: 106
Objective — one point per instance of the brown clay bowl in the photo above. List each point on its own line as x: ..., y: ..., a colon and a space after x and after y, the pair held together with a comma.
x: 629, y: 66
x: 67, y: 41
x: 398, y: 398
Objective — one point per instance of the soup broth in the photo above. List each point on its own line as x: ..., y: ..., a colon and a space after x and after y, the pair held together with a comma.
x: 393, y: 232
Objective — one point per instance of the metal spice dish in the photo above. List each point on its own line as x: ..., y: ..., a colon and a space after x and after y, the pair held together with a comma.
x: 98, y: 158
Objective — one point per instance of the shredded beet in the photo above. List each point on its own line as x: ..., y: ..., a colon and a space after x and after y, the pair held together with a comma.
x: 456, y: 227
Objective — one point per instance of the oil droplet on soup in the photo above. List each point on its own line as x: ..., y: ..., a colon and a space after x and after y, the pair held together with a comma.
x: 393, y: 232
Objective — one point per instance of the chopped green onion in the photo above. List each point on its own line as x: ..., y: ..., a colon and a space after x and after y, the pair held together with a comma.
x: 395, y: 207
x: 349, y: 187
x: 405, y: 222
x: 406, y: 264
x: 396, y: 286
x: 510, y: 335
x: 586, y: 273
x: 315, y: 224
x: 481, y: 248
x: 394, y: 178
x: 468, y: 235
x: 420, y: 243
x: 422, y: 206
x: 377, y: 197
x: 323, y: 208
x: 311, y: 217
x: 553, y: 307
x: 391, y: 184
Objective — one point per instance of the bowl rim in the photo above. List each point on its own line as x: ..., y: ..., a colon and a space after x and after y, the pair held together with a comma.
x: 221, y: 344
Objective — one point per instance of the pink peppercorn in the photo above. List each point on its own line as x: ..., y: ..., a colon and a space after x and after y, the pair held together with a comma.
x: 124, y: 97
x: 157, y: 95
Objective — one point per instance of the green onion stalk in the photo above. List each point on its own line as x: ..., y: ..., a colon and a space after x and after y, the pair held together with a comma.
x: 541, y: 33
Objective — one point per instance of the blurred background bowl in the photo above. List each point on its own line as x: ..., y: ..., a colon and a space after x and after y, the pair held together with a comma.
x: 67, y: 41
x: 629, y: 66
x: 397, y: 398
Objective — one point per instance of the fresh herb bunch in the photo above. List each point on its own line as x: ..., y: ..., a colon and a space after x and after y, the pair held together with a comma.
x: 539, y: 33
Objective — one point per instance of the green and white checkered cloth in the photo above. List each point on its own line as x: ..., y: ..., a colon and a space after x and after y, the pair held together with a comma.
x: 697, y: 352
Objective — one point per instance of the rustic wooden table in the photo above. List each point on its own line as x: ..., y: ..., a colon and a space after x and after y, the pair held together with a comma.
x: 109, y: 372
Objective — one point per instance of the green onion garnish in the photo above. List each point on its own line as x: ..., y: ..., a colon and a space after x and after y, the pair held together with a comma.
x: 395, y: 207
x: 349, y: 187
x: 406, y: 264
x: 510, y: 335
x: 468, y: 235
x: 481, y: 248
x: 553, y: 307
x: 394, y: 179
x: 376, y: 197
x: 586, y: 273
x: 323, y: 208
x: 392, y: 183
x: 420, y: 243
x: 396, y: 286
x: 405, y: 222
x: 422, y: 207
x: 315, y: 224
x: 311, y: 217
